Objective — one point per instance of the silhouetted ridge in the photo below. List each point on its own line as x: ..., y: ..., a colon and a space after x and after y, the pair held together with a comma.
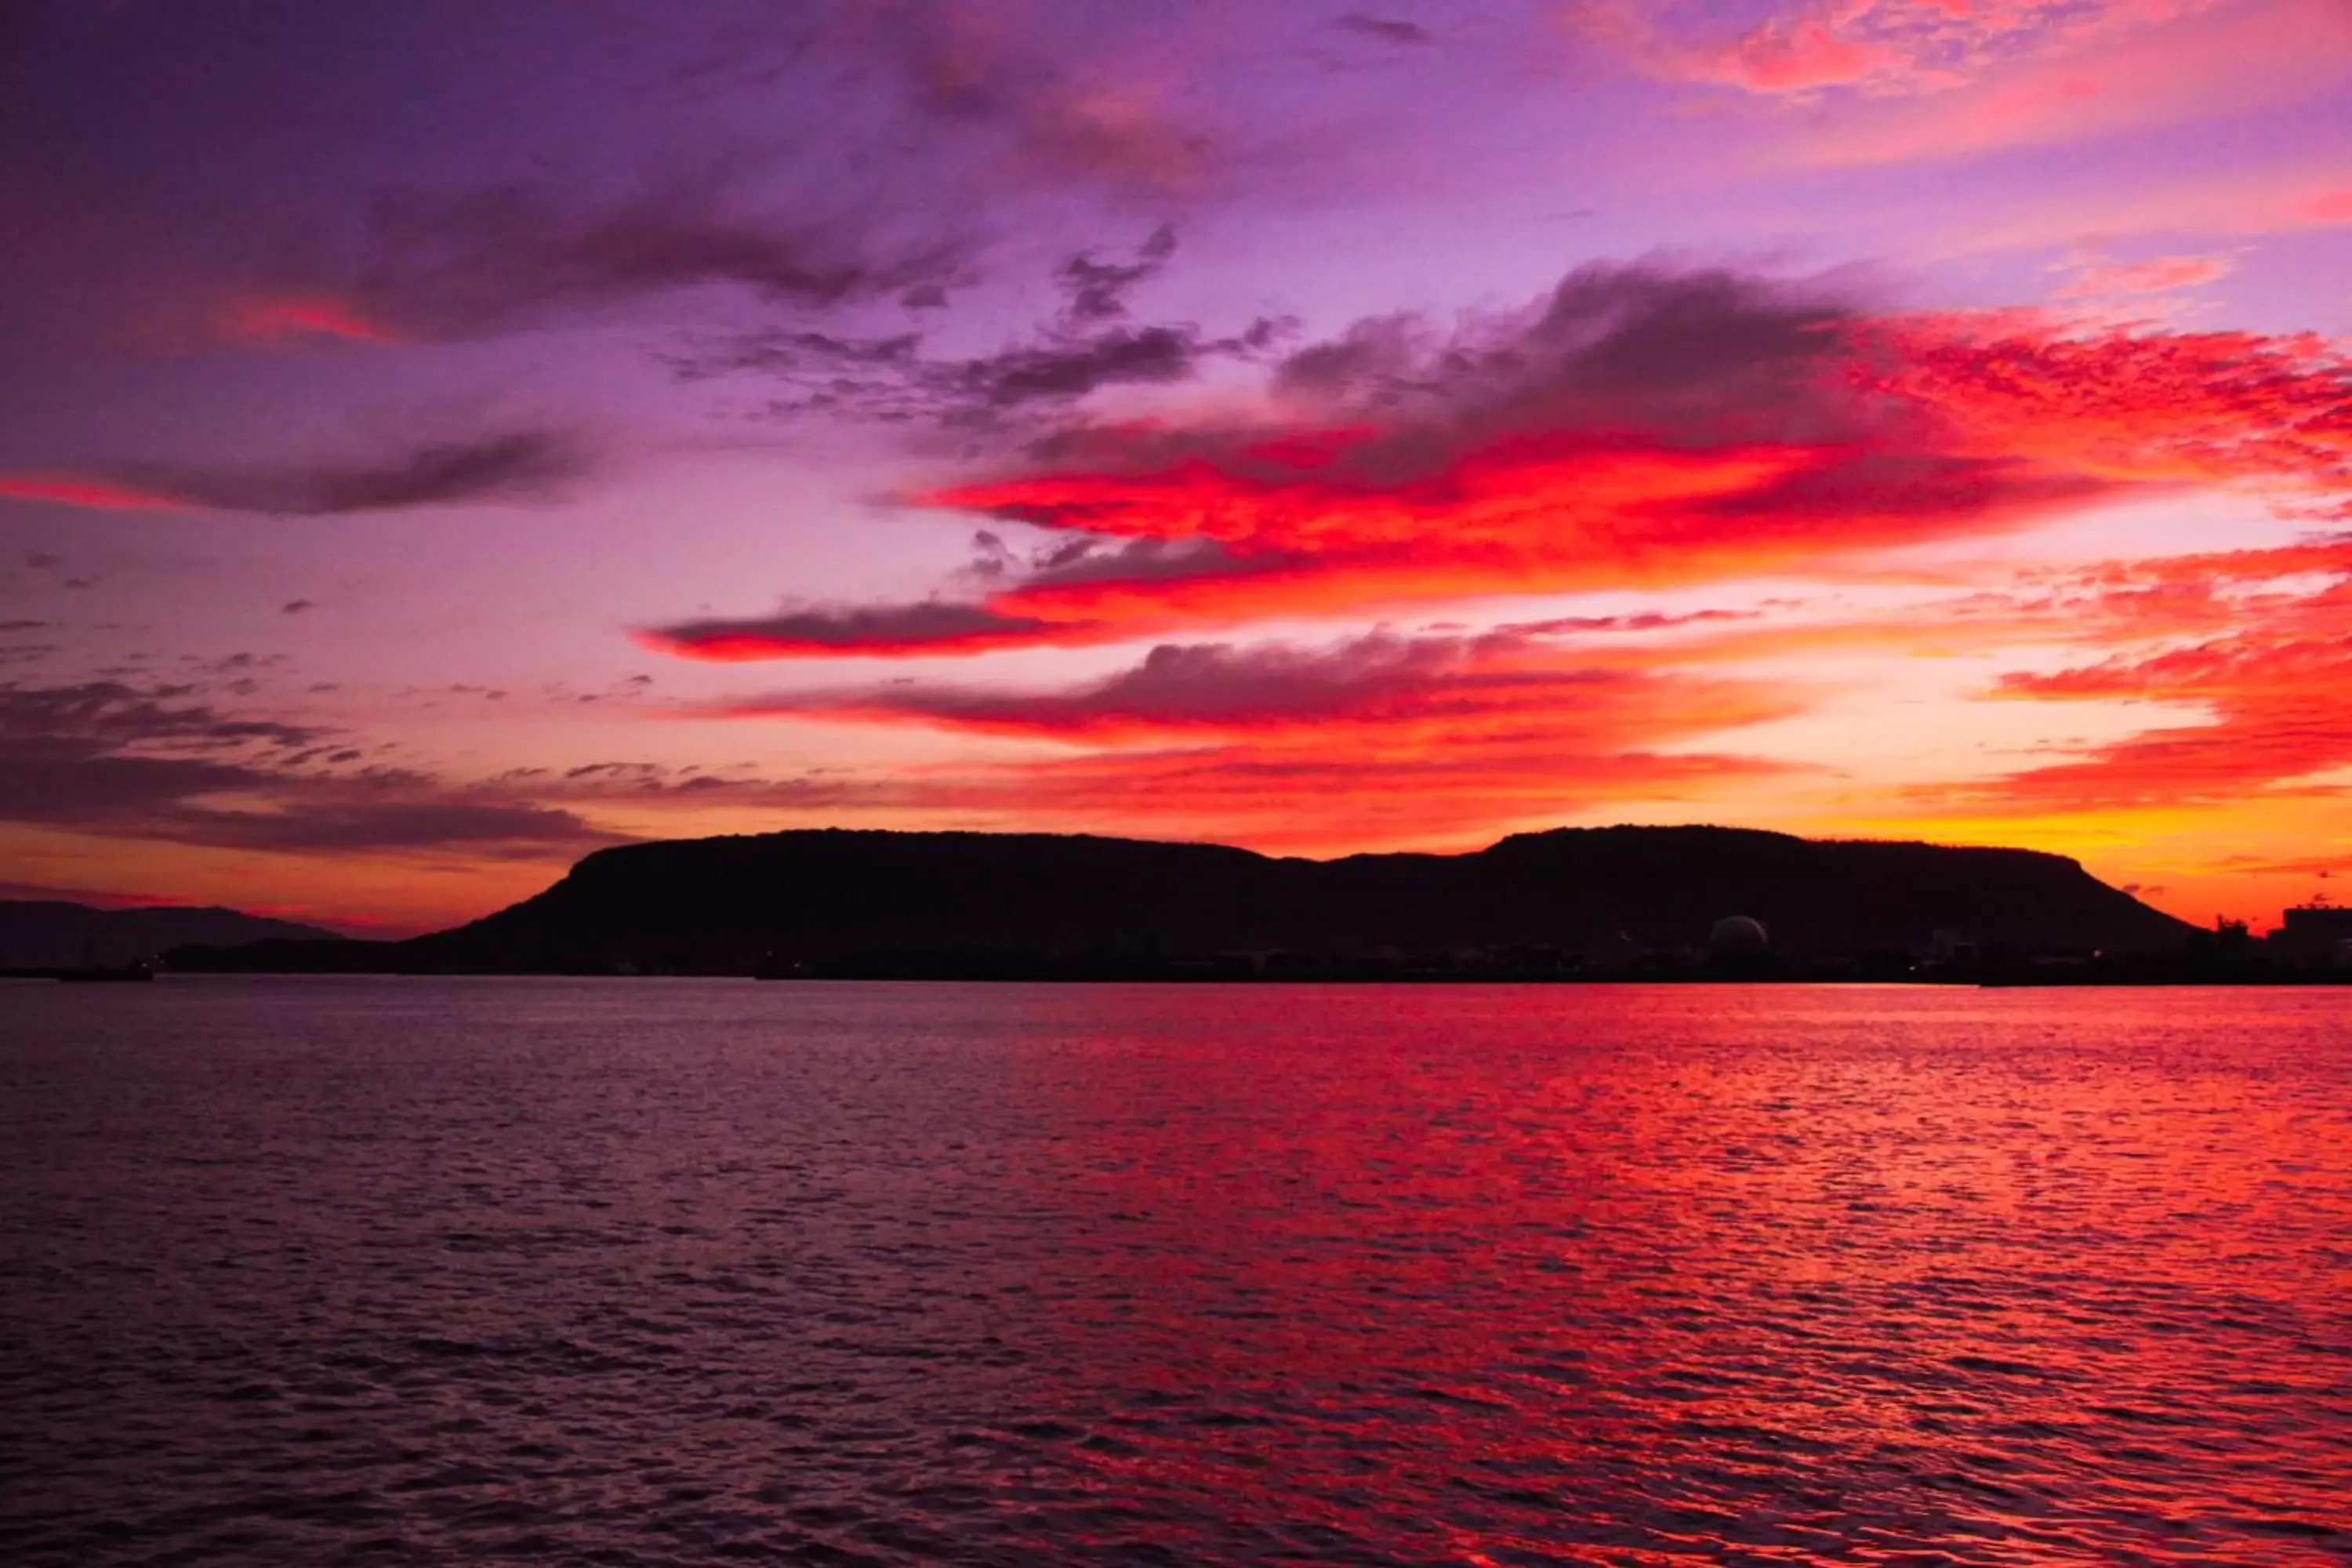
x: 1840, y: 897
x: 832, y: 900
x: 49, y: 933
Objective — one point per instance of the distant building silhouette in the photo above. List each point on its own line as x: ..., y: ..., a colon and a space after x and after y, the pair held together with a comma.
x: 2318, y: 932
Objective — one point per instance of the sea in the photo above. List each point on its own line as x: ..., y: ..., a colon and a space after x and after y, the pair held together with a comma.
x: 658, y: 1272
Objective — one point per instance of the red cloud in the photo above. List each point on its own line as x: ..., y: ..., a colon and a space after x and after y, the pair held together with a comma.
x: 270, y: 318
x: 1633, y: 430
x: 91, y: 494
x: 1525, y: 515
x: 2130, y: 408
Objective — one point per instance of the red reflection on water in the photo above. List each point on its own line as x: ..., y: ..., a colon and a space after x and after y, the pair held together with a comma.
x: 1711, y: 1274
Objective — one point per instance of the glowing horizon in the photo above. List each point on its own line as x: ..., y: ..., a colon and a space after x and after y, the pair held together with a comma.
x: 1311, y: 430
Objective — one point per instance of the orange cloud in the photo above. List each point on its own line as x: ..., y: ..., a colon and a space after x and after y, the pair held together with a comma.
x: 2136, y: 606
x: 1416, y: 690
x: 2248, y: 646
x: 1300, y: 797
x: 2277, y: 717
x: 1393, y: 738
x: 1430, y: 740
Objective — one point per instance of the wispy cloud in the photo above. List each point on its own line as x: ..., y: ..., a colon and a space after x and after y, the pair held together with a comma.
x: 437, y: 265
x: 161, y: 761
x: 2158, y: 274
x: 1900, y: 81
x: 2134, y: 67
x: 1877, y: 47
x: 2274, y: 197
x: 503, y: 255
x: 1042, y: 110
x: 1088, y: 345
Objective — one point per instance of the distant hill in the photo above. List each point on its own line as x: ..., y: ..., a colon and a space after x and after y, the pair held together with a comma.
x: 720, y: 906
x: 53, y: 934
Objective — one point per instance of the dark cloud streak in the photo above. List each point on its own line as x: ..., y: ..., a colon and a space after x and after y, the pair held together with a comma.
x: 927, y: 627
x: 523, y: 463
x: 157, y: 763
x: 1098, y: 290
x: 518, y: 465
x: 1387, y: 30
x: 507, y: 257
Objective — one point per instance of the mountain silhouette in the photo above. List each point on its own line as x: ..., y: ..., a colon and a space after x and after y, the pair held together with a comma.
x: 835, y: 900
x: 54, y: 934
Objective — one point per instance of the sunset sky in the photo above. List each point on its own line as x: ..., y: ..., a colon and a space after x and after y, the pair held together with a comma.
x: 440, y: 438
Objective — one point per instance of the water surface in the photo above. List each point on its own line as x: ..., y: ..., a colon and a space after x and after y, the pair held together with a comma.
x: 667, y: 1272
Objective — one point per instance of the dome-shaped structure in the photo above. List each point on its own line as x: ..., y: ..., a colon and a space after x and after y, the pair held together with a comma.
x: 1739, y: 936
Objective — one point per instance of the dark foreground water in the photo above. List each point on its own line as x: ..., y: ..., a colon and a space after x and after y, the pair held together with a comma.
x: 387, y: 1271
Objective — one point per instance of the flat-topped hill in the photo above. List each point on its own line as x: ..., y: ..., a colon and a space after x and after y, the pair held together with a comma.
x: 734, y: 905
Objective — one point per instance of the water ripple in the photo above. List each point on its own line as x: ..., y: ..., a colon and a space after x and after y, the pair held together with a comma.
x: 383, y: 1271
